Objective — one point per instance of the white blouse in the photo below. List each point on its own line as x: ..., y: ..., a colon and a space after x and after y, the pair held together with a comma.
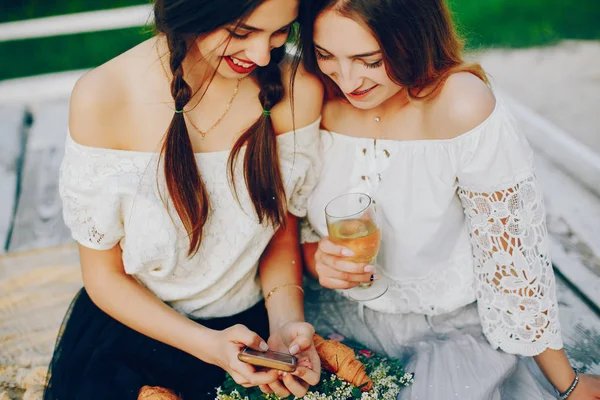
x: 114, y: 196
x: 461, y: 220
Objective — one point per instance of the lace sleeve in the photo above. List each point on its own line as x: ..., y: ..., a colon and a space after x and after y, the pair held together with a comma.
x: 515, y: 283
x: 89, y: 190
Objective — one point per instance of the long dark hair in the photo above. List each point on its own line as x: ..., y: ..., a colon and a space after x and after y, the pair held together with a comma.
x: 418, y: 40
x: 182, y: 21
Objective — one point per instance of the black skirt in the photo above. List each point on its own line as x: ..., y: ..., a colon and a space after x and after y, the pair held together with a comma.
x: 98, y: 358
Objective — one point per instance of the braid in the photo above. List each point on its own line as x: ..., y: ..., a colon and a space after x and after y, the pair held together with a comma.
x: 190, y: 199
x: 180, y: 90
x: 269, y: 79
x: 262, y: 172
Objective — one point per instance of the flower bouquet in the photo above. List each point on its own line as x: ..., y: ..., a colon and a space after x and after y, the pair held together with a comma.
x: 349, y: 371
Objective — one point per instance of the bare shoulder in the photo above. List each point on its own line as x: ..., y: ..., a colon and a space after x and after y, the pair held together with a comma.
x: 96, y: 102
x: 338, y: 115
x: 464, y: 102
x: 307, y: 101
x: 99, y: 114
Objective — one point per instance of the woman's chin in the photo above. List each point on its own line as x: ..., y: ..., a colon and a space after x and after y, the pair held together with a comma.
x: 363, y: 104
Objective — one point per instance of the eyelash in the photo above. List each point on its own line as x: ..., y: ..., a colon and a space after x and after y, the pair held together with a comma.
x: 323, y: 57
x: 285, y: 31
x: 376, y: 64
x: 237, y: 36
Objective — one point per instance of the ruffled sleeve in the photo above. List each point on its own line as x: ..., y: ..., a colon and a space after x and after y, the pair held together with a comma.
x: 515, y: 283
x: 89, y: 190
x: 303, y: 158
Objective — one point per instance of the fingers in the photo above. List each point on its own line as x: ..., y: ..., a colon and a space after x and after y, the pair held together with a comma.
x: 335, y: 272
x: 307, y: 375
x: 262, y: 377
x: 313, y: 375
x: 297, y: 387
x: 331, y: 278
x: 308, y: 367
x: 331, y: 283
x: 301, y: 343
x: 342, y: 264
x: 330, y: 267
x: 265, y: 389
x: 238, y: 378
x: 279, y: 389
x: 251, y: 377
x: 245, y: 336
x: 304, y: 362
x: 297, y: 336
x: 328, y: 247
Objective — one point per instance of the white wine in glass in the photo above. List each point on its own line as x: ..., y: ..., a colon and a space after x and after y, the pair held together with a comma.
x: 351, y: 223
x: 359, y: 235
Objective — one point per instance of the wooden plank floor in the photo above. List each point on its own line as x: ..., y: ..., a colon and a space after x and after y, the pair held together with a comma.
x: 38, y: 220
x: 37, y: 287
x: 12, y: 121
x: 581, y: 329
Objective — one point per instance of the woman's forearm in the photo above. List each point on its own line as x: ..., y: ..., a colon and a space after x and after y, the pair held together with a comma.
x: 123, y: 298
x: 280, y: 269
x: 308, y: 252
x: 556, y: 368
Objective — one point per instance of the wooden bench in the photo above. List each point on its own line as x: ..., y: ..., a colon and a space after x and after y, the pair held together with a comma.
x: 32, y: 146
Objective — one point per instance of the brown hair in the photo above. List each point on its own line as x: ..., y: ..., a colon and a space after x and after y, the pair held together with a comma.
x: 182, y: 21
x: 418, y: 40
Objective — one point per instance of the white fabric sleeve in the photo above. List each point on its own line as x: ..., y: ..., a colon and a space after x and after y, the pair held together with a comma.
x: 89, y: 190
x: 307, y: 159
x: 515, y: 285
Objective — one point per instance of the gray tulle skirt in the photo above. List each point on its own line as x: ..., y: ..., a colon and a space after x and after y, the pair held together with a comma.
x: 449, y: 355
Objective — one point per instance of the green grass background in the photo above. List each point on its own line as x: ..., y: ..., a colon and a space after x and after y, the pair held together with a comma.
x: 484, y: 23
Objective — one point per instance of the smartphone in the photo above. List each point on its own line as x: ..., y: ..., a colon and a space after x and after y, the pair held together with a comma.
x: 268, y: 359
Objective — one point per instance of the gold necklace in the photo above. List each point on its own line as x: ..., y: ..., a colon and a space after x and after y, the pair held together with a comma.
x: 227, y: 107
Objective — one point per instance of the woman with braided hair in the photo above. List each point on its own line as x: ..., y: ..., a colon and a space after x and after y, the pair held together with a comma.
x: 188, y: 160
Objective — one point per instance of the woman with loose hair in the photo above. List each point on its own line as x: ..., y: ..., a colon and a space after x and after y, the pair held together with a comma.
x: 187, y: 162
x: 464, y: 244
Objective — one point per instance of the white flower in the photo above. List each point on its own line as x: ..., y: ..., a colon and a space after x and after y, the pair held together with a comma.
x: 385, y: 387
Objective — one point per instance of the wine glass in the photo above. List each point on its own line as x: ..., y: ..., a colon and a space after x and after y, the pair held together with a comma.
x: 351, y: 223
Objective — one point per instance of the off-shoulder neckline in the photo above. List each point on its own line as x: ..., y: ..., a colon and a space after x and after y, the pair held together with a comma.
x: 463, y: 136
x: 82, y: 147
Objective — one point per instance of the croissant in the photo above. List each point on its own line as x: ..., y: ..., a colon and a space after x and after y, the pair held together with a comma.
x: 340, y: 359
x: 156, y: 393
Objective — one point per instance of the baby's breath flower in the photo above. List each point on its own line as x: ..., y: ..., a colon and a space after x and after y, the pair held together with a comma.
x: 387, y: 374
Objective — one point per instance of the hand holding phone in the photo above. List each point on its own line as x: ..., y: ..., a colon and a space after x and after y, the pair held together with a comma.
x: 222, y: 348
x: 268, y: 359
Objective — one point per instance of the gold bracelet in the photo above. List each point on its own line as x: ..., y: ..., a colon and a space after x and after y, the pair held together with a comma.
x: 281, y: 287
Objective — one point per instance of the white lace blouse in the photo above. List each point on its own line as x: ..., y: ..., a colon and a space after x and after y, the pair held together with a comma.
x: 461, y: 220
x: 113, y: 196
